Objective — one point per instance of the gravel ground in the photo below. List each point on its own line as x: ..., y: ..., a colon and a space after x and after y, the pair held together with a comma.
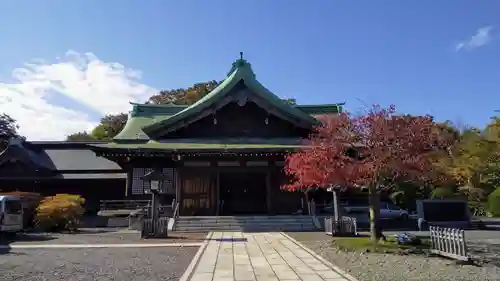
x: 103, y: 237
x: 385, y: 267
x: 134, y: 264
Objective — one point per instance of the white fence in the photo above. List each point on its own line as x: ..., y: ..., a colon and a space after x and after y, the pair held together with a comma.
x: 449, y: 242
x: 346, y: 226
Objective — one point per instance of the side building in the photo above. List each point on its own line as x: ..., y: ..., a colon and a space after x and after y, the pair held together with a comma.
x: 51, y: 167
x: 223, y: 155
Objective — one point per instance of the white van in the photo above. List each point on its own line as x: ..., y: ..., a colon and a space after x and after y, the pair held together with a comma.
x: 11, y: 213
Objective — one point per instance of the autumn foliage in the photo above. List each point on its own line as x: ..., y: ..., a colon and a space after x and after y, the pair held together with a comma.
x: 59, y: 212
x: 372, y: 150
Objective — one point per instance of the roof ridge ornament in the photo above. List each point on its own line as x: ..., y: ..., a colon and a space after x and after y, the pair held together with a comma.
x: 241, y: 63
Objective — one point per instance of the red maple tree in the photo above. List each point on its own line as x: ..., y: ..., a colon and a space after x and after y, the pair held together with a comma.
x: 371, y: 150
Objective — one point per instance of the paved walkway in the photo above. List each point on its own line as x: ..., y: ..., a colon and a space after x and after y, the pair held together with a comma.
x: 263, y: 257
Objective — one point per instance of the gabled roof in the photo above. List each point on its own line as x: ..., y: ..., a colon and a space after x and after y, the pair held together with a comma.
x: 58, y: 156
x: 16, y: 151
x: 147, y: 119
x: 144, y: 115
x: 241, y: 72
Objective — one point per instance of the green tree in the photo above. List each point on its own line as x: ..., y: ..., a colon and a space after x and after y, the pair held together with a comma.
x: 110, y: 125
x: 291, y: 101
x: 184, y: 96
x: 80, y: 136
x: 494, y: 203
x: 8, y: 129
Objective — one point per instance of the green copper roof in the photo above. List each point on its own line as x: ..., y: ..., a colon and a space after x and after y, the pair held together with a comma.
x: 241, y: 71
x: 147, y: 118
x: 228, y: 144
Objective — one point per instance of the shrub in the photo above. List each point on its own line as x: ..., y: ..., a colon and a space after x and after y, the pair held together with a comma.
x: 442, y: 193
x: 494, y: 203
x: 59, y: 212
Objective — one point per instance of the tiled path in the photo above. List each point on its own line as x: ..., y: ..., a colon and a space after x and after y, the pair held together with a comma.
x: 263, y: 257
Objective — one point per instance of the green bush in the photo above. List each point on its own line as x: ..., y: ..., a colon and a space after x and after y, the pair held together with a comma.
x: 59, y: 212
x: 494, y: 203
x: 442, y: 193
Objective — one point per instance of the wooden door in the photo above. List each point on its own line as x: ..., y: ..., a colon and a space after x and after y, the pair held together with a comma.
x: 197, y: 193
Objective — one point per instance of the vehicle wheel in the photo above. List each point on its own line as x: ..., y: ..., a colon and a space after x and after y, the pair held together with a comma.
x: 404, y: 217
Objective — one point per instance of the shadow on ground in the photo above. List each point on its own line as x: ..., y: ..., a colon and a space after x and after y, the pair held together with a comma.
x: 485, y: 253
x: 7, y: 238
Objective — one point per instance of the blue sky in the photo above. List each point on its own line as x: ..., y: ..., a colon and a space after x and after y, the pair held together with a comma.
x: 423, y: 56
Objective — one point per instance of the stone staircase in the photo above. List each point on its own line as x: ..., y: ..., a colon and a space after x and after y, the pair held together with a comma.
x: 245, y: 223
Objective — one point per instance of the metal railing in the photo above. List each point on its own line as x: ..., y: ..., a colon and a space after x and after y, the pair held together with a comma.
x: 346, y: 226
x: 175, y: 213
x: 449, y: 242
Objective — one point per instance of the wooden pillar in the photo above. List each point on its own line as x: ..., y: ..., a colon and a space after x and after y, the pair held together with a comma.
x: 217, y: 194
x: 128, y: 183
x: 269, y: 193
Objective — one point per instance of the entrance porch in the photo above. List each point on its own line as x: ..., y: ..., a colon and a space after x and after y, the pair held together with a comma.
x: 230, y: 191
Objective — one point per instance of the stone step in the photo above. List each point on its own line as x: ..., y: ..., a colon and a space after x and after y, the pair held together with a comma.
x: 247, y: 228
x: 245, y: 223
x: 242, y: 222
x: 245, y: 216
x: 236, y: 226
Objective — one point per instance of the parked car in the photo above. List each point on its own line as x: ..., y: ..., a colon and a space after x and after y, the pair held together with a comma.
x: 11, y: 214
x: 388, y: 210
x: 393, y: 211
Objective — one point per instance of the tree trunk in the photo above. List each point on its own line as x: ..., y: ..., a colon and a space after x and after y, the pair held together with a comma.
x: 375, y: 229
x: 308, y: 206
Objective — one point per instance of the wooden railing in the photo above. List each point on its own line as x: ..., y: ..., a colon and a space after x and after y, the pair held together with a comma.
x: 449, y: 242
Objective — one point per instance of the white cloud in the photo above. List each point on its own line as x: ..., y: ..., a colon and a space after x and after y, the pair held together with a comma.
x: 482, y: 37
x: 105, y: 87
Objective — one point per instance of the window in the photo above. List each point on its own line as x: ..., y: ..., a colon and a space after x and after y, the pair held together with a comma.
x: 13, y: 207
x: 140, y: 186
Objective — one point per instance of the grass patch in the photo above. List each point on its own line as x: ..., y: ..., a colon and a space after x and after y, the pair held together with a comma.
x: 365, y: 245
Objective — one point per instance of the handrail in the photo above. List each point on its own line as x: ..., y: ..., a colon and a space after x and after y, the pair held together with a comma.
x: 176, y: 210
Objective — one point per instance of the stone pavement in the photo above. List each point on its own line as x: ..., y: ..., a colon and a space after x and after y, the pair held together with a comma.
x: 263, y: 257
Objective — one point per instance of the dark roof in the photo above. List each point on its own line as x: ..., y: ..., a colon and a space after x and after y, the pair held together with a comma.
x: 69, y: 160
x: 77, y: 159
x: 19, y: 152
x: 68, y: 176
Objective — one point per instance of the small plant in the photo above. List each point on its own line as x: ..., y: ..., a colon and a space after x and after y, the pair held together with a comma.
x: 59, y: 212
x: 494, y: 203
